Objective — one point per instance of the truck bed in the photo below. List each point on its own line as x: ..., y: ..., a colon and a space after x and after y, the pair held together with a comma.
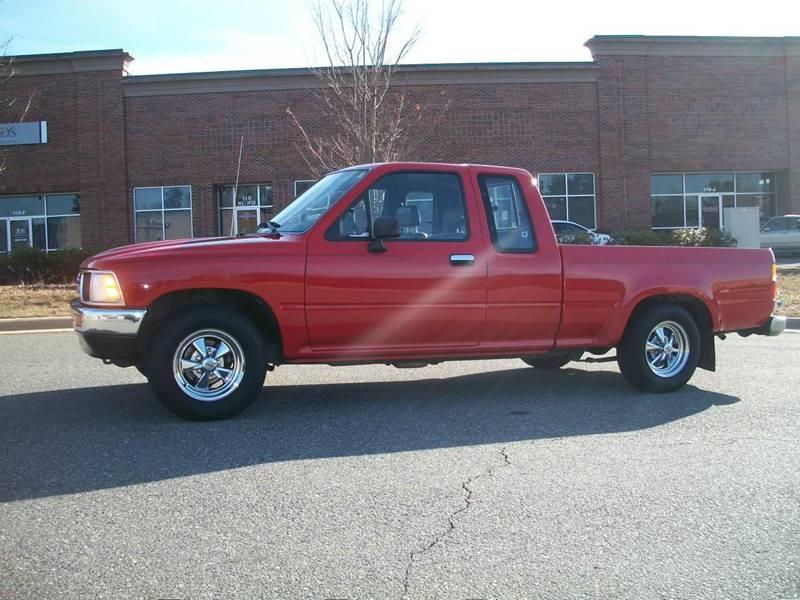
x: 603, y: 285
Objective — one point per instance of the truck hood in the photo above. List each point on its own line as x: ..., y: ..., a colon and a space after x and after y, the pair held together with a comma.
x: 192, y: 248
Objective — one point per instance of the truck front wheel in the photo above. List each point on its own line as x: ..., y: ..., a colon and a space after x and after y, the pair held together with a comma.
x: 207, y: 363
x: 661, y: 349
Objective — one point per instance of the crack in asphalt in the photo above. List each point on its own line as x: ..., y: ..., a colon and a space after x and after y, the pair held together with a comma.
x: 451, y: 519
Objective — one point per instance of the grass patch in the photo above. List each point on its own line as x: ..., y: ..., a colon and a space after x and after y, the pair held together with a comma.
x: 18, y: 301
x: 789, y: 292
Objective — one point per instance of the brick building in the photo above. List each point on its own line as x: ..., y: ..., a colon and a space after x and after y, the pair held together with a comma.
x: 655, y: 132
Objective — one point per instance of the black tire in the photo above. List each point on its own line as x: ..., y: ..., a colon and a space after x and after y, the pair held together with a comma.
x: 551, y: 362
x: 679, y: 328
x: 140, y: 368
x: 161, y: 367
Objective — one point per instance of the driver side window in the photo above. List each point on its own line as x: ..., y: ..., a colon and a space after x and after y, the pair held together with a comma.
x: 428, y: 206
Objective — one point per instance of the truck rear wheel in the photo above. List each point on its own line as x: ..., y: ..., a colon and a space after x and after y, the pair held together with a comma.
x: 661, y: 349
x: 207, y: 363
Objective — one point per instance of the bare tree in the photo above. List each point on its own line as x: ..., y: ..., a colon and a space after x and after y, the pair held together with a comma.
x: 10, y: 107
x: 6, y: 70
x: 366, y: 118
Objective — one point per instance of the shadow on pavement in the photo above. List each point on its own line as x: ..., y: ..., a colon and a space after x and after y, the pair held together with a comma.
x: 69, y: 441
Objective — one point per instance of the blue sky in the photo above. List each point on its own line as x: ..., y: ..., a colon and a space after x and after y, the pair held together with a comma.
x: 181, y: 35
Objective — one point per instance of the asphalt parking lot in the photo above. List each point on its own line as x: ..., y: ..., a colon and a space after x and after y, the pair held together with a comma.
x: 464, y: 480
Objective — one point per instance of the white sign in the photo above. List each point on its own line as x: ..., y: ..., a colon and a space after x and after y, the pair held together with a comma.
x: 16, y: 134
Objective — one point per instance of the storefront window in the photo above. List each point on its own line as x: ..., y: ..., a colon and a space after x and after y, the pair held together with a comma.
x: 301, y: 185
x: 163, y: 213
x: 48, y: 222
x: 685, y: 191
x: 667, y: 211
x: 253, y: 206
x: 569, y: 197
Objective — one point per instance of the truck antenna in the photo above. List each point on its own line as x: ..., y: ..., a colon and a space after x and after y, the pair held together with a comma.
x: 236, y: 186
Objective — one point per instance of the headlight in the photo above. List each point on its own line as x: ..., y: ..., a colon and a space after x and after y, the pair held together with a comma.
x: 101, y: 287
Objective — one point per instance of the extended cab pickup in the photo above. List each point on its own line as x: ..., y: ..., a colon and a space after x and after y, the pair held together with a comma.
x: 410, y: 264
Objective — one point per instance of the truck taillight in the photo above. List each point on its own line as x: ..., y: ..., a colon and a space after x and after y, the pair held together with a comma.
x: 774, y: 281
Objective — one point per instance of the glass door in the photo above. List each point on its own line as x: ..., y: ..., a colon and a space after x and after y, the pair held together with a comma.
x: 711, y: 211
x: 246, y: 220
x: 3, y: 235
x: 251, y: 207
x: 19, y: 232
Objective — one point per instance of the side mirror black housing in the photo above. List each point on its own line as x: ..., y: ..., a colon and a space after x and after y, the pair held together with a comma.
x: 383, y: 228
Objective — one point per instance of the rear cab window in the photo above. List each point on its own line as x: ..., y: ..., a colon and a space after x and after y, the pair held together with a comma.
x: 510, y: 227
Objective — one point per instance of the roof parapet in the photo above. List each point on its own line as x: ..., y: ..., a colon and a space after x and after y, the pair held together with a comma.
x: 71, y: 62
x: 428, y: 74
x: 667, y: 45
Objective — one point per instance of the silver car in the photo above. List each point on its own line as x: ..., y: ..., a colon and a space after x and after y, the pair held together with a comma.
x: 782, y: 234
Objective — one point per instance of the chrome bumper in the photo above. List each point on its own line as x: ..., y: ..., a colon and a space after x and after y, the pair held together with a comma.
x: 106, y: 321
x: 774, y: 326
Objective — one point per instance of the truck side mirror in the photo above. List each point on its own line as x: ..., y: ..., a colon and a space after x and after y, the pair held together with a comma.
x: 383, y: 228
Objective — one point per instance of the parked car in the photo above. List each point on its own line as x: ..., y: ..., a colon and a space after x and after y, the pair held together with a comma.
x: 351, y: 273
x: 566, y: 231
x: 782, y: 234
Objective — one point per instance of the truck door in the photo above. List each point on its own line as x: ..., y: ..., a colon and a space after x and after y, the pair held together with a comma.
x: 524, y: 264
x: 426, y: 292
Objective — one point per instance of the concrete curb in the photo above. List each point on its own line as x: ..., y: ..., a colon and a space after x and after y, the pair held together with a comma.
x: 35, y: 324
x: 792, y: 322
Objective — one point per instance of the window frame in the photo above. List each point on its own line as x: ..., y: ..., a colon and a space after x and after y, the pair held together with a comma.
x: 735, y: 193
x: 332, y: 233
x: 5, y: 222
x: 566, y: 195
x: 488, y: 211
x: 162, y: 210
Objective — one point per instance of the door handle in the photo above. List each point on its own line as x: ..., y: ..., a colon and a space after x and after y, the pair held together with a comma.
x: 461, y: 260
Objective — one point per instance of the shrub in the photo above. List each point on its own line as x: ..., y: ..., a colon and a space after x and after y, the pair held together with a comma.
x: 31, y: 265
x: 574, y: 238
x: 640, y: 237
x: 676, y: 237
x: 702, y: 237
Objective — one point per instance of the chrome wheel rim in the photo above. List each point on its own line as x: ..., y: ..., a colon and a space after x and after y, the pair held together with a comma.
x: 667, y: 349
x: 208, y: 365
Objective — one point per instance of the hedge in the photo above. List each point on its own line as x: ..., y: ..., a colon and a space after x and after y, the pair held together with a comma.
x: 649, y: 237
x: 31, y: 265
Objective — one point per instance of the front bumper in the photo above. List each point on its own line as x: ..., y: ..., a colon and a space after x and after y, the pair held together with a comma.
x: 108, y: 333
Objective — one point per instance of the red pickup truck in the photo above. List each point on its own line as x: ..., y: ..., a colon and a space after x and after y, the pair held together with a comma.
x: 410, y: 264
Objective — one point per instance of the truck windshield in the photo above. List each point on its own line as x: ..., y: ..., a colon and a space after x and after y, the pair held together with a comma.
x: 301, y: 214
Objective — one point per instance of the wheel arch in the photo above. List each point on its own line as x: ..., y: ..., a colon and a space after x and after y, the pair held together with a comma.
x: 697, y: 307
x: 252, y: 305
